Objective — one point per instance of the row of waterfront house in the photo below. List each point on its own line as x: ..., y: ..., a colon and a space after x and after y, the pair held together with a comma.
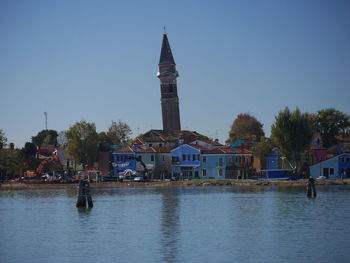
x: 182, y: 155
x: 189, y: 155
x: 183, y: 158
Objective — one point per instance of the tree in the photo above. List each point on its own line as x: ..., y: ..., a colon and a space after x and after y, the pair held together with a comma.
x: 45, y: 137
x: 82, y: 142
x: 9, y: 163
x: 62, y: 139
x: 261, y: 150
x: 3, y: 139
x: 292, y: 131
x: 119, y: 132
x: 27, y: 156
x: 331, y: 123
x: 245, y: 125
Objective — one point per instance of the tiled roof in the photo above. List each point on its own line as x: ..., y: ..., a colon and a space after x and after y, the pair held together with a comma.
x: 139, y: 142
x: 223, y: 150
x: 147, y: 150
x: 125, y: 149
x: 172, y: 135
x: 241, y: 151
x: 158, y: 139
x: 214, y: 143
x: 199, y: 147
x: 164, y: 149
x: 128, y: 149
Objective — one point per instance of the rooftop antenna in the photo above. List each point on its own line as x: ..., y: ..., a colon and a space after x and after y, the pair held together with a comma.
x: 45, y: 113
x: 164, y: 30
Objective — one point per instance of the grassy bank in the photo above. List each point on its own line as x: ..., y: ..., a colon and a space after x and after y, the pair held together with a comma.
x: 199, y: 183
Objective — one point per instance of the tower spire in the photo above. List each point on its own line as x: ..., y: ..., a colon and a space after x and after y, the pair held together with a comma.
x: 166, y: 56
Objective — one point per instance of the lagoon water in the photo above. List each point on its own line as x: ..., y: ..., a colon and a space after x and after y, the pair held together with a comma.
x: 187, y: 224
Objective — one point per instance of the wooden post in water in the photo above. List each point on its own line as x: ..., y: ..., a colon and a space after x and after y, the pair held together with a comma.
x: 84, y: 197
x: 310, y: 188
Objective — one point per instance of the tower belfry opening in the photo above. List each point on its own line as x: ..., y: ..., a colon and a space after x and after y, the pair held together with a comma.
x: 168, y: 87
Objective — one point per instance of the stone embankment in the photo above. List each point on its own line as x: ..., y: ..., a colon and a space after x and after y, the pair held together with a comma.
x: 199, y: 183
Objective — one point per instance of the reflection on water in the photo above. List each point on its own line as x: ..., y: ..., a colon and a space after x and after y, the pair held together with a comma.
x: 191, y: 224
x: 170, y: 221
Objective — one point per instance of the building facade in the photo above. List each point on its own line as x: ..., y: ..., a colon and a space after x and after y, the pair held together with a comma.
x: 333, y: 168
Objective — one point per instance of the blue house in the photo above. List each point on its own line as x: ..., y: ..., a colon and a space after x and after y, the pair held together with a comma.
x: 214, y: 163
x: 121, y: 162
x: 333, y: 168
x: 195, y: 161
x: 185, y: 161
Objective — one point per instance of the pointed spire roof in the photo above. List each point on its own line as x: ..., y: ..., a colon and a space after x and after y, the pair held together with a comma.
x: 166, y: 57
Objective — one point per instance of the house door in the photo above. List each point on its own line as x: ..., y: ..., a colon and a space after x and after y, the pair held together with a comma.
x: 325, y: 172
x: 187, y: 174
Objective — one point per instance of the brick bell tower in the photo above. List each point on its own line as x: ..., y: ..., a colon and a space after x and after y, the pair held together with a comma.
x: 168, y: 87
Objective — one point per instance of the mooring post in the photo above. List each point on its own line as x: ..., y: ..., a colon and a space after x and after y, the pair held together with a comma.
x: 84, y: 197
x: 310, y: 188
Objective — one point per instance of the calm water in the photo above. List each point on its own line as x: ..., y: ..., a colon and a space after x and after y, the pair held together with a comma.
x: 202, y: 224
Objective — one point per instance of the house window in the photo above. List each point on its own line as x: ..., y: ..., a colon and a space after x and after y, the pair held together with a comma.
x: 150, y: 145
x: 220, y: 172
x: 204, y: 159
x: 342, y: 159
x: 347, y: 159
x: 204, y: 172
x: 140, y: 158
x: 175, y: 158
x: 160, y: 145
x: 152, y: 158
x: 188, y: 157
x: 184, y: 156
x: 221, y: 162
x: 331, y: 171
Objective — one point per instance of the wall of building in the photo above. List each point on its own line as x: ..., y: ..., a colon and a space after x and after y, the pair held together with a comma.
x: 214, y: 166
x: 331, y: 168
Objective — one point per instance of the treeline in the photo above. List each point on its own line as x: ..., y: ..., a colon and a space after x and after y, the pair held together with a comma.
x: 81, y: 141
x: 292, y: 131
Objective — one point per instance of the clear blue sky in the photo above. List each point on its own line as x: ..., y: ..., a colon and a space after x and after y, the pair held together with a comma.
x: 97, y: 60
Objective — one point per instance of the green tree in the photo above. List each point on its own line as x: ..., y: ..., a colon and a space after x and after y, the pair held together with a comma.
x: 82, y: 142
x: 9, y: 163
x: 331, y: 123
x: 45, y: 137
x: 292, y: 131
x: 3, y: 139
x: 261, y: 150
x: 27, y: 156
x: 245, y: 125
x: 119, y: 132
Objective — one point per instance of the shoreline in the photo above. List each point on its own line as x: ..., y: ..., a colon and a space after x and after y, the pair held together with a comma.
x: 192, y: 183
